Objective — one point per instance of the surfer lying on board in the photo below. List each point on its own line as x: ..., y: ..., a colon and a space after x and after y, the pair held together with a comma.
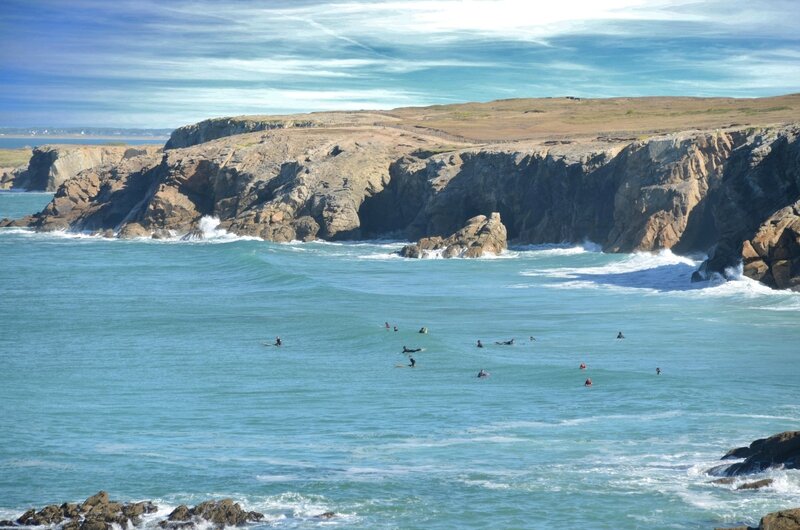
x: 411, y: 350
x: 505, y: 342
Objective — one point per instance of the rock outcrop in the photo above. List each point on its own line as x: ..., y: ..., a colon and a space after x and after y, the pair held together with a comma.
x: 782, y: 520
x: 98, y: 512
x: 219, y: 513
x: 95, y: 513
x: 481, y: 235
x: 52, y: 165
x: 781, y: 450
x: 732, y: 192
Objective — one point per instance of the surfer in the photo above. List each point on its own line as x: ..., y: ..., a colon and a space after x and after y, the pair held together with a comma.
x: 483, y: 373
x: 278, y: 341
x: 583, y: 366
x: 411, y: 350
x: 480, y: 344
x: 658, y: 371
x: 505, y: 342
x: 423, y: 330
x: 620, y: 335
x: 386, y: 324
x: 532, y: 338
x: 413, y: 362
x: 588, y: 382
x: 395, y: 328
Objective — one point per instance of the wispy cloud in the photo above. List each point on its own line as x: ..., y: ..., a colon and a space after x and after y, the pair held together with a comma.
x: 157, y: 63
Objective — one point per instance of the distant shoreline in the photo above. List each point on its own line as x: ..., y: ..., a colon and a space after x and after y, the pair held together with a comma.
x: 81, y: 136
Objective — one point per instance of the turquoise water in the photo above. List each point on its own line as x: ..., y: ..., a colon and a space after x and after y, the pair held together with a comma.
x: 139, y: 367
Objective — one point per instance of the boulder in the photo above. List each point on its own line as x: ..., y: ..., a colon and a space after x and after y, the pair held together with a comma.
x: 220, y: 513
x: 780, y: 450
x: 758, y: 484
x: 782, y: 520
x: 481, y: 235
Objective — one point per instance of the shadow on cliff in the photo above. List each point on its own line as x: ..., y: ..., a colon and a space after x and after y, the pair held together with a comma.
x: 664, y: 278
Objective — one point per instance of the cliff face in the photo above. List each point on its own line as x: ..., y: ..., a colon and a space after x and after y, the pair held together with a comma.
x: 215, y: 128
x: 690, y: 191
x: 51, y: 165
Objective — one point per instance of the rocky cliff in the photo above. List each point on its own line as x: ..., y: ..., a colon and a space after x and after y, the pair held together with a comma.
x: 731, y: 191
x: 51, y: 165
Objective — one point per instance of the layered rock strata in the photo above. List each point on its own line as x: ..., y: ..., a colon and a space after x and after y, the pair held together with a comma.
x: 52, y: 165
x: 698, y: 191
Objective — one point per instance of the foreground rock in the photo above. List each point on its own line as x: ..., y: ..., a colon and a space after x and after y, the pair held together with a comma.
x: 99, y: 513
x: 778, y: 451
x: 482, y: 235
x: 772, y: 256
x: 220, y: 513
x: 782, y: 520
x: 95, y: 513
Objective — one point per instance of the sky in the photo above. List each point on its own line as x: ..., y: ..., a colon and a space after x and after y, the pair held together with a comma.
x: 166, y: 63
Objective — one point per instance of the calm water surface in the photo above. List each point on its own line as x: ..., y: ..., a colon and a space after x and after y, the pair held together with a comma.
x: 140, y: 367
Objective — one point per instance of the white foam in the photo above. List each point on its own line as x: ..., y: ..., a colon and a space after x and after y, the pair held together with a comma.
x: 560, y: 249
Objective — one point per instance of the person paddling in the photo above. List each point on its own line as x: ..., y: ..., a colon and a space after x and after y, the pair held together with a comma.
x: 483, y: 373
x: 505, y: 342
x: 411, y: 350
x: 583, y: 366
x: 588, y: 382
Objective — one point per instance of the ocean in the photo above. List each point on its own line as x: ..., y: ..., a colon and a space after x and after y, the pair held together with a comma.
x: 145, y: 368
x: 35, y: 141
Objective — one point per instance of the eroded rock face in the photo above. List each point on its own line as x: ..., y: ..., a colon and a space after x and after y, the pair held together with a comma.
x: 208, y: 130
x: 772, y: 256
x: 481, y: 235
x: 52, y: 165
x: 689, y: 192
x: 780, y: 450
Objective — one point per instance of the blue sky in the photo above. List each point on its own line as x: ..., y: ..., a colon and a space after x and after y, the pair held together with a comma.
x: 149, y: 63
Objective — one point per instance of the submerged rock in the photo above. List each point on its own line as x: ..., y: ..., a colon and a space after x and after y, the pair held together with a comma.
x: 220, y: 513
x: 481, y: 235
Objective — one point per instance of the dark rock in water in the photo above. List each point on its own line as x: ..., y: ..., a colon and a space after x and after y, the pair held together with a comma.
x: 26, y: 517
x: 220, y: 513
x: 778, y: 451
x: 194, y: 235
x: 743, y: 452
x: 6, y: 523
x: 724, y: 480
x: 70, y: 510
x: 763, y: 483
x: 181, y: 513
x: 326, y: 515
x: 100, y: 497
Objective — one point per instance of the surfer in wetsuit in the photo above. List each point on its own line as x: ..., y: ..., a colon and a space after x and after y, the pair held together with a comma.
x: 505, y: 342
x: 395, y: 328
x: 386, y: 324
x: 278, y: 341
x: 423, y: 330
x: 413, y: 362
x: 588, y: 382
x: 532, y: 338
x: 411, y: 350
x: 658, y: 371
x: 483, y: 373
x: 480, y: 344
x: 620, y: 335
x: 583, y: 366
